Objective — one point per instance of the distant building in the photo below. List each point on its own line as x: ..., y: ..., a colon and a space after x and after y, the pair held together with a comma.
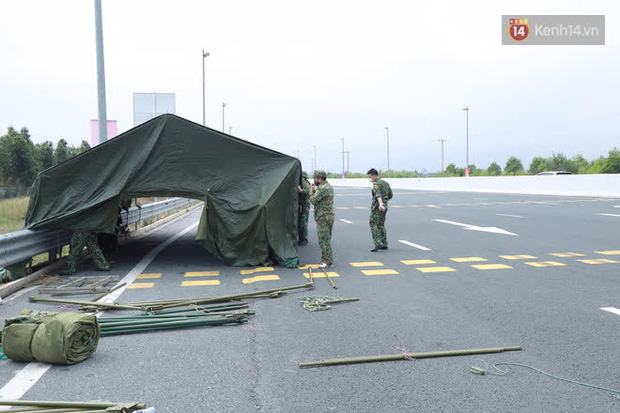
x: 146, y: 106
x: 94, y: 131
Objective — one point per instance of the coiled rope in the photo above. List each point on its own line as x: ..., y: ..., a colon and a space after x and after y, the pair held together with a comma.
x: 497, y: 371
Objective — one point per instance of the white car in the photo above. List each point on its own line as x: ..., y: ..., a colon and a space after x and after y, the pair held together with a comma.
x: 553, y: 173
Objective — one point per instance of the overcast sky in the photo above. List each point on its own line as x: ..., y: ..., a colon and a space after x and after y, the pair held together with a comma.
x: 297, y: 74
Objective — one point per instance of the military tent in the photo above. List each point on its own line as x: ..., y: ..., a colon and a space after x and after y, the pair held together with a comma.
x: 250, y: 192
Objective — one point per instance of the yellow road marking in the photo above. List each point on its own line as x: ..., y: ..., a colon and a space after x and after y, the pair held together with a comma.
x: 141, y: 285
x: 518, y: 257
x: 617, y: 252
x: 397, y: 206
x: 567, y: 254
x: 261, y: 278
x: 546, y: 264
x: 148, y: 276
x: 255, y: 270
x: 416, y: 206
x: 367, y: 264
x: 468, y: 259
x: 360, y: 207
x: 202, y: 274
x: 379, y: 272
x: 343, y: 208
x: 321, y: 274
x: 200, y: 282
x: 599, y: 261
x: 491, y: 266
x: 417, y: 262
x: 435, y: 269
x: 313, y: 266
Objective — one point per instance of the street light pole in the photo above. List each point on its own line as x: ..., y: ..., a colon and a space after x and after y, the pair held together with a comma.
x: 204, y: 99
x: 223, y: 110
x: 343, y: 173
x: 387, y: 134
x: 442, y: 141
x: 103, y: 120
x: 466, y: 109
x: 348, y: 152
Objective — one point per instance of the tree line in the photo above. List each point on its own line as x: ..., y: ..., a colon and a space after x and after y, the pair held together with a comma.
x: 21, y: 159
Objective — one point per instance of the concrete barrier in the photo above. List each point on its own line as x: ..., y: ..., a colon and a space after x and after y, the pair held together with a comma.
x: 604, y: 185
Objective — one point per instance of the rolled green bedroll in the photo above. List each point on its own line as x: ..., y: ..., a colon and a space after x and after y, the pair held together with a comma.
x: 48, y: 337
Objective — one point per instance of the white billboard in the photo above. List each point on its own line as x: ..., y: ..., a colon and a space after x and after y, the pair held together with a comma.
x: 146, y: 106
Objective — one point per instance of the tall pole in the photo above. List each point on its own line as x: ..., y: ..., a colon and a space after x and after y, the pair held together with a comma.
x: 223, y: 110
x: 348, y: 152
x: 102, y: 117
x: 442, y: 141
x: 343, y: 173
x: 230, y: 130
x: 204, y: 99
x: 314, y: 166
x: 466, y: 109
x: 387, y: 134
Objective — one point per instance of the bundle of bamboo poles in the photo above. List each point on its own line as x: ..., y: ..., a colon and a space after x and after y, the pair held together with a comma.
x: 174, y: 303
x: 32, y: 406
x: 207, y: 315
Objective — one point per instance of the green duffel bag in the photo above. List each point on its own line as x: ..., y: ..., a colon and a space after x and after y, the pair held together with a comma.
x: 48, y: 337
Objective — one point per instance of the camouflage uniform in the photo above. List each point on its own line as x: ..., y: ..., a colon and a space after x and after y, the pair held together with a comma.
x: 78, y: 241
x: 304, y: 212
x: 323, y: 201
x: 382, y: 189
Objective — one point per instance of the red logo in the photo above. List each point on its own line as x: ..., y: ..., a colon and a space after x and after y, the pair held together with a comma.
x: 519, y: 29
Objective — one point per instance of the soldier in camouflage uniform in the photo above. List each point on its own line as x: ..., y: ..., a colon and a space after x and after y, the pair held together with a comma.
x: 322, y: 197
x: 304, y: 210
x: 381, y: 194
x: 78, y: 241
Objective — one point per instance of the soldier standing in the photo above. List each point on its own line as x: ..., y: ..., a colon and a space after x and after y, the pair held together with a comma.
x: 322, y: 197
x: 381, y: 194
x: 79, y: 240
x: 304, y: 209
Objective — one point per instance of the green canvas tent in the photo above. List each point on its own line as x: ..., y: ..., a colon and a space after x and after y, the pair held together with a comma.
x: 250, y: 192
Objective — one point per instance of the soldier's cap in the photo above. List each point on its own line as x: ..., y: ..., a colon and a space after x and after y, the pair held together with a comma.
x: 304, y: 174
x: 320, y: 174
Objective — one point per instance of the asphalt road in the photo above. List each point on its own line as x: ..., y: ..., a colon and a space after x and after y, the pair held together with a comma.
x: 542, y: 286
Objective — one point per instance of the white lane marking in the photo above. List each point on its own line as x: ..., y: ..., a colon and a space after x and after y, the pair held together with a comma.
x: 616, y: 206
x: 411, y: 244
x: 29, y: 375
x: 610, y: 215
x: 346, y: 221
x: 493, y: 230
x: 611, y: 310
x: 508, y: 215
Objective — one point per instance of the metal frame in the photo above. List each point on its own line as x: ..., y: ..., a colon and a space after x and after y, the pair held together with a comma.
x: 19, y: 246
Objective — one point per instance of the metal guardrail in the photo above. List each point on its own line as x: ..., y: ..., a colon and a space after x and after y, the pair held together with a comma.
x: 22, y: 245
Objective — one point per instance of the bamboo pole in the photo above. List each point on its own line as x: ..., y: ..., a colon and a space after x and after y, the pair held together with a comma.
x: 107, y: 306
x: 75, y: 405
x: 99, y: 297
x: 401, y: 356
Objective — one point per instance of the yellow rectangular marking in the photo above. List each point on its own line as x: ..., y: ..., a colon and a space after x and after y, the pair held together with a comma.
x: 321, y: 274
x: 148, y: 276
x: 599, y: 261
x: 261, y: 278
x: 468, y: 259
x: 367, y: 264
x: 546, y: 264
x: 199, y: 282
x: 617, y: 252
x: 255, y: 270
x: 491, y: 266
x: 416, y: 206
x: 435, y: 269
x: 141, y: 285
x: 313, y: 266
x: 379, y: 272
x: 202, y: 274
x: 360, y: 207
x: 397, y: 206
x: 567, y: 254
x: 417, y: 262
x: 343, y: 208
x: 518, y: 257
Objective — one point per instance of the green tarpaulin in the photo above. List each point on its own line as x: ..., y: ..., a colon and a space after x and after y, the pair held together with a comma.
x: 48, y: 337
x: 250, y: 192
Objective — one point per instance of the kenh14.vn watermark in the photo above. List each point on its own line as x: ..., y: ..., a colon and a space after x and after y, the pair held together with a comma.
x: 553, y: 30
